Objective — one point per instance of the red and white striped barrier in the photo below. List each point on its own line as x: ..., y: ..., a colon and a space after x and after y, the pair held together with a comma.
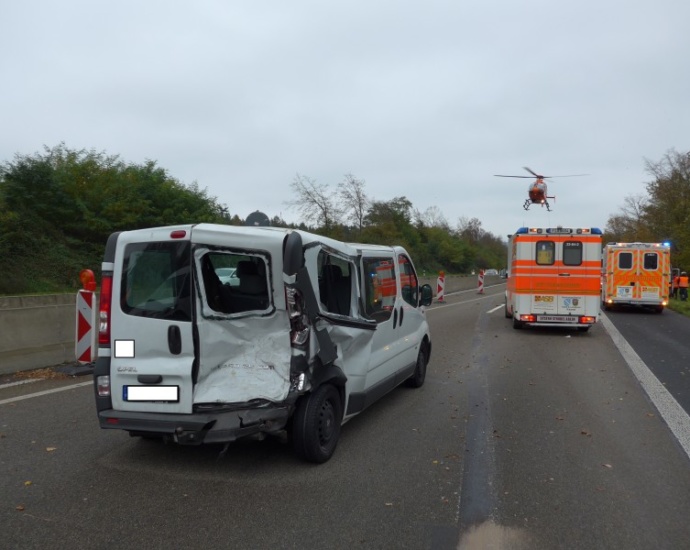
x: 440, y: 285
x: 85, y: 347
x: 480, y: 282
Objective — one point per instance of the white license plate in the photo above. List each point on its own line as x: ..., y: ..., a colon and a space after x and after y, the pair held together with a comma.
x: 169, y: 394
x: 556, y: 319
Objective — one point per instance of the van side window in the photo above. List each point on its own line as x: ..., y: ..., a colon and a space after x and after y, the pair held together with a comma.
x: 380, y: 287
x: 335, y: 283
x: 546, y: 252
x: 650, y: 261
x: 572, y: 253
x: 625, y: 260
x: 234, y: 283
x: 409, y: 286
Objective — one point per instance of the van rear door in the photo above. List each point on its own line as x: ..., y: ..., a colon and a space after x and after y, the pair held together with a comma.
x: 152, y: 346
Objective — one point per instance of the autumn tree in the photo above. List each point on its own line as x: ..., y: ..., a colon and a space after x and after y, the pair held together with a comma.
x: 668, y: 211
x: 354, y: 200
x: 315, y: 202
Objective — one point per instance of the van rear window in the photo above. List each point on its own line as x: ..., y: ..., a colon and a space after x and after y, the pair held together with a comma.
x: 156, y: 281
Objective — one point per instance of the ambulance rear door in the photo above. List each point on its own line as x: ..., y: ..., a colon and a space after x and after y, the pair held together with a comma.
x: 578, y: 269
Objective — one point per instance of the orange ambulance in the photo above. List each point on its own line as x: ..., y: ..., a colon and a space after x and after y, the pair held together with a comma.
x: 554, y: 277
x: 637, y: 274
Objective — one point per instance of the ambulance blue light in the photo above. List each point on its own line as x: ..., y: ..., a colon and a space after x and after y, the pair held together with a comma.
x: 522, y: 231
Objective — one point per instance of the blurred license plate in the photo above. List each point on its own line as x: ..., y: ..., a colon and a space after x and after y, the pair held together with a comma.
x: 557, y: 318
x: 170, y: 394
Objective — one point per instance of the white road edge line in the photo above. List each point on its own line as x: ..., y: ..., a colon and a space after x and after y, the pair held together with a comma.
x: 673, y: 414
x: 46, y: 392
x: 495, y: 309
x: 20, y: 382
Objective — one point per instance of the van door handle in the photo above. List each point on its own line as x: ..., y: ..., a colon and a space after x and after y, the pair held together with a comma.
x: 174, y: 340
x: 401, y: 315
x: 395, y: 317
x: 564, y: 274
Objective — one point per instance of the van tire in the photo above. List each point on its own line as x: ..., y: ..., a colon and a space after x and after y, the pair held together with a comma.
x: 517, y: 324
x: 316, y: 424
x: 507, y: 313
x: 417, y: 379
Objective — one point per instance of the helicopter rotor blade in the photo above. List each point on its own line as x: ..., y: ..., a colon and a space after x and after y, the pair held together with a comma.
x: 533, y: 172
x: 502, y: 176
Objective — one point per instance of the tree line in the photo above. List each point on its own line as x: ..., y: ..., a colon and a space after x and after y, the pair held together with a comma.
x: 663, y: 213
x: 58, y: 207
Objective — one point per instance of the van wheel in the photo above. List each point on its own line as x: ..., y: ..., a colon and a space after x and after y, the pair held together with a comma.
x: 316, y: 424
x: 417, y: 379
x: 517, y: 324
x: 508, y: 314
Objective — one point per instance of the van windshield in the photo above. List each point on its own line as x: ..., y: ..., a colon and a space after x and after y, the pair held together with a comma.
x: 156, y: 281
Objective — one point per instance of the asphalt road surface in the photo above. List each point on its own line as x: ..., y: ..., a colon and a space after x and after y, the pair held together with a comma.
x: 519, y: 439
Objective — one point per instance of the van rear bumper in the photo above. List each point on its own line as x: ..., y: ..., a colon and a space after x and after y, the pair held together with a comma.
x: 198, y: 428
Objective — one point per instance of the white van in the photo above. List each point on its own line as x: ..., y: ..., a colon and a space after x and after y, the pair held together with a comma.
x: 306, y: 334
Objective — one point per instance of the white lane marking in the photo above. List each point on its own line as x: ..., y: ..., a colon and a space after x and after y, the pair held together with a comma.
x: 675, y: 416
x: 27, y: 381
x: 495, y: 309
x: 441, y: 305
x: 46, y: 392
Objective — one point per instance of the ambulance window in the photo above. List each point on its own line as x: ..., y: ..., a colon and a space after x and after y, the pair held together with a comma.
x: 546, y: 252
x: 156, y: 281
x: 572, y: 253
x: 408, y: 281
x: 625, y: 260
x: 651, y: 260
x: 380, y: 287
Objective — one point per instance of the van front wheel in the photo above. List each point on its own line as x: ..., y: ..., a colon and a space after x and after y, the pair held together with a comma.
x: 316, y: 424
x: 417, y: 379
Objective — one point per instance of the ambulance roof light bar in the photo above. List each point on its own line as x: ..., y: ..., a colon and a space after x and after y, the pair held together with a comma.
x: 641, y: 245
x: 559, y: 231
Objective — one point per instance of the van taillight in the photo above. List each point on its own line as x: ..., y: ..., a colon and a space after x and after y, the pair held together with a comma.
x: 103, y: 385
x: 104, y: 310
x: 299, y: 327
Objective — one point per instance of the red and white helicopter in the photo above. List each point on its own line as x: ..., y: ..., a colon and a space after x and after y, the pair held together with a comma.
x: 537, y: 191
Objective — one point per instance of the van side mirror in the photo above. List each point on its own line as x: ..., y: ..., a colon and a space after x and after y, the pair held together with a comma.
x: 293, y: 258
x: 427, y: 295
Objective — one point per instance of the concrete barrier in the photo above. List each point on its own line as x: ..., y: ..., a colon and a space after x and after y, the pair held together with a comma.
x: 40, y: 331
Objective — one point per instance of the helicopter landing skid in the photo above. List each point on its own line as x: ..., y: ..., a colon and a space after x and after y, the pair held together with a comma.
x: 529, y: 203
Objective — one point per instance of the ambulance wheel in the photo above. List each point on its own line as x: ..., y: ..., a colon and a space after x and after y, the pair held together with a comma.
x: 316, y: 424
x: 517, y: 324
x: 583, y: 329
x: 508, y: 315
x: 417, y: 379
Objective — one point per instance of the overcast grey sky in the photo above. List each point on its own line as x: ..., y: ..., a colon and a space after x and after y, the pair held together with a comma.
x: 422, y: 99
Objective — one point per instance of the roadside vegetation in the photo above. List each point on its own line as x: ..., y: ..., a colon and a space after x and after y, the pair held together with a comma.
x: 58, y: 207
x: 663, y: 213
x: 679, y: 306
